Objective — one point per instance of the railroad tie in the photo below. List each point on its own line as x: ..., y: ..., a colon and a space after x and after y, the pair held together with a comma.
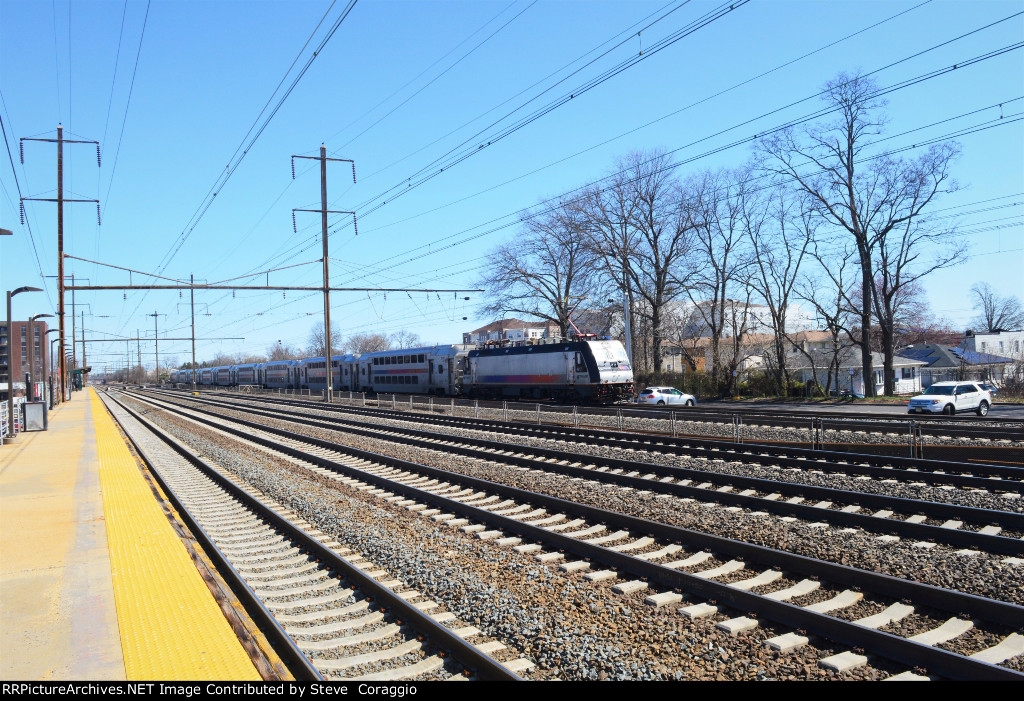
x: 952, y: 628
x: 735, y: 626
x: 1010, y: 647
x: 629, y: 587
x: 843, y: 599
x: 766, y: 577
x: 843, y: 662
x: 720, y: 571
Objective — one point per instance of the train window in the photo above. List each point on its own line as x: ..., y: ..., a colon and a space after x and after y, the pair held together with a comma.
x: 440, y: 369
x: 375, y: 361
x: 420, y: 358
x: 406, y: 359
x: 415, y: 380
x: 581, y: 364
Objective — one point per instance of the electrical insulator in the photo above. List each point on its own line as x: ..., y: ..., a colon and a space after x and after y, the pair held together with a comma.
x: 293, y: 169
x: 23, y: 214
x: 284, y: 294
x: 99, y: 162
x: 354, y: 169
x: 125, y: 294
x: 232, y: 294
x: 355, y: 224
x: 99, y: 221
x: 295, y: 227
x: 21, y: 149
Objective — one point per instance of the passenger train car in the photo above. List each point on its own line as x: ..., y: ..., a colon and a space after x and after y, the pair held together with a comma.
x: 576, y: 370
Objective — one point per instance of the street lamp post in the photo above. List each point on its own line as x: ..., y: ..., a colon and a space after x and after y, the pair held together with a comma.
x: 53, y: 396
x: 10, y: 358
x: 30, y: 393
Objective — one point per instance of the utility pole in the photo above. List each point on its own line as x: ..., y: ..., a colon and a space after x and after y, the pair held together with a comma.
x: 60, y: 200
x: 84, y: 364
x: 156, y: 336
x: 192, y: 301
x: 327, y: 276
x: 74, y: 335
x: 138, y: 348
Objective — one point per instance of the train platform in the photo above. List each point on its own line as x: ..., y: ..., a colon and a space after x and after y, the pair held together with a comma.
x: 95, y: 583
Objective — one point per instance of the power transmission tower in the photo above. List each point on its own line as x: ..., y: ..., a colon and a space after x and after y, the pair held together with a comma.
x: 327, y: 276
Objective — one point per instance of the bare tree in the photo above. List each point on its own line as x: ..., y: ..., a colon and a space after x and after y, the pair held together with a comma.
x: 316, y: 342
x: 780, y: 234
x: 404, y: 339
x: 639, y: 226
x: 828, y: 295
x: 366, y: 343
x: 996, y: 312
x: 546, y: 271
x: 873, y: 201
x: 721, y: 263
x: 683, y: 330
x: 614, y: 242
x: 284, y: 351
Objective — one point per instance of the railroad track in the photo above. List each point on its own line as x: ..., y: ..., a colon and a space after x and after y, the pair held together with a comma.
x: 336, y: 615
x: 989, y: 427
x: 817, y: 597
x: 834, y: 506
x: 902, y: 438
x: 750, y: 451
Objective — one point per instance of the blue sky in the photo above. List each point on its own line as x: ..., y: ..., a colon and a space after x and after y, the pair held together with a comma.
x: 401, y: 84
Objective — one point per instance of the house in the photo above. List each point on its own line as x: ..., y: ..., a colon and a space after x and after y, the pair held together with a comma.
x: 688, y: 319
x: 945, y: 364
x: 754, y: 350
x: 1005, y: 343
x: 849, y: 375
x: 510, y: 330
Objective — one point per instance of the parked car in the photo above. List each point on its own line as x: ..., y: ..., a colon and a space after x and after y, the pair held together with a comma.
x: 950, y: 398
x: 665, y: 395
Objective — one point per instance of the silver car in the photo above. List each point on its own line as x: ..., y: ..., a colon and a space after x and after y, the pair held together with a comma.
x: 665, y: 395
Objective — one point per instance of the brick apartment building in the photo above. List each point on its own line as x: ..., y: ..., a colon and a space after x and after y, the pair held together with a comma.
x: 14, y: 349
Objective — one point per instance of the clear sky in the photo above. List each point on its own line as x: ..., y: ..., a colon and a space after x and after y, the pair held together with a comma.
x: 403, y: 87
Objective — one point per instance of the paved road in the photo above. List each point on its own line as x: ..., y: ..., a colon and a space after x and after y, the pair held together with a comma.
x: 1015, y: 411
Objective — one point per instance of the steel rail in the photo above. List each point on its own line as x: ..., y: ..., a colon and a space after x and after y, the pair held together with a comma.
x: 282, y: 643
x: 957, y: 537
x: 903, y: 650
x: 782, y: 456
x: 467, y: 653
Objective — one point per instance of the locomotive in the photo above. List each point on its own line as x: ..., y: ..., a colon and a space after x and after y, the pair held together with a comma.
x: 583, y: 368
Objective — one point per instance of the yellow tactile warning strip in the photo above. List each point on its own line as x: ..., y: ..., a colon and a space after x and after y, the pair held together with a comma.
x: 171, y: 627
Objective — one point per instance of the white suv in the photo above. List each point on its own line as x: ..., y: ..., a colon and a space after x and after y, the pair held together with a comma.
x: 951, y: 397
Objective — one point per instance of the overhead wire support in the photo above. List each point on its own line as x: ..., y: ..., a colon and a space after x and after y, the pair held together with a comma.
x: 60, y: 141
x: 265, y: 288
x: 326, y: 260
